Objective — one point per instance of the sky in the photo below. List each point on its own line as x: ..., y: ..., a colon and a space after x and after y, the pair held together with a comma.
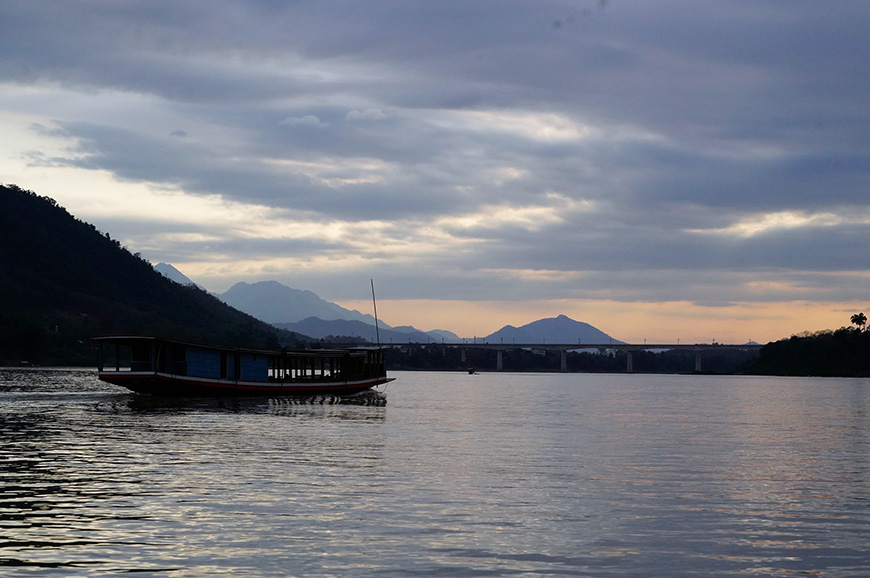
x: 664, y: 170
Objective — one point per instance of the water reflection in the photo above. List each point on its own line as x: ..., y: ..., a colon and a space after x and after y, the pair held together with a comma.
x: 507, y: 474
x: 95, y: 480
x: 323, y: 405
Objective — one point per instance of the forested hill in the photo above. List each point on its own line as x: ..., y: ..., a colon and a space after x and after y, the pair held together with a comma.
x: 63, y: 282
x: 841, y: 353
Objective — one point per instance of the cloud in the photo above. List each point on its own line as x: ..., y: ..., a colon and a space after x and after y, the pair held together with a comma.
x: 771, y: 222
x: 367, y: 114
x: 307, y: 120
x: 693, y: 152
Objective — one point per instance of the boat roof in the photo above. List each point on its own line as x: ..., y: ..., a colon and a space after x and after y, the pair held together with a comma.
x: 131, y: 339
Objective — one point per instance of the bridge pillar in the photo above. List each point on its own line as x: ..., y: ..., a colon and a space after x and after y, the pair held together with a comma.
x: 629, y: 362
x: 564, y: 362
x: 499, y: 362
x: 698, y: 361
x: 462, y: 355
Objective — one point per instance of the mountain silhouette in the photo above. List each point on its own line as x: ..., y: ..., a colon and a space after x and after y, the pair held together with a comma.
x: 174, y: 274
x: 319, y: 329
x: 307, y: 313
x: 561, y: 329
x: 273, y: 302
x: 62, y: 282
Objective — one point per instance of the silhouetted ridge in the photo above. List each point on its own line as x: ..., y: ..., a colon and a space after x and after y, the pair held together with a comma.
x: 62, y: 281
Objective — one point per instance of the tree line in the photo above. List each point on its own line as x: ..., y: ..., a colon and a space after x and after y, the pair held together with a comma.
x: 844, y: 352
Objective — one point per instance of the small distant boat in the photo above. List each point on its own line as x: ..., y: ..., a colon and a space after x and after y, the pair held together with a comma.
x: 175, y: 368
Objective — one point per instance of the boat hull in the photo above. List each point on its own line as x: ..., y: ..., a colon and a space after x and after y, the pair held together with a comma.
x: 163, y: 384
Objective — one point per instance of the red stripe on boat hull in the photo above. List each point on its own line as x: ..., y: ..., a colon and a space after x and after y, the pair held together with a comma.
x: 171, y: 385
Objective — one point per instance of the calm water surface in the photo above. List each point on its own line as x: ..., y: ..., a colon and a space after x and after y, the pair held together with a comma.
x: 459, y: 475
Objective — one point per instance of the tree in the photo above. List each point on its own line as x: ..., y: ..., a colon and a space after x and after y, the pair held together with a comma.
x: 859, y: 319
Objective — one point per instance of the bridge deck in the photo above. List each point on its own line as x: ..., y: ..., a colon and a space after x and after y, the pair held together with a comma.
x: 564, y: 348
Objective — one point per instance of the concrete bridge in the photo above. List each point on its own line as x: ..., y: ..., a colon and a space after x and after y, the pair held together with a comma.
x: 629, y: 348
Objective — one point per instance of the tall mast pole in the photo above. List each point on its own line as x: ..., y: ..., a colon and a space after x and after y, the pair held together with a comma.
x: 375, y: 304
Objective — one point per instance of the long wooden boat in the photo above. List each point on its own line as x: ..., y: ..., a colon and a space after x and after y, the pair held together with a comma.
x: 175, y: 368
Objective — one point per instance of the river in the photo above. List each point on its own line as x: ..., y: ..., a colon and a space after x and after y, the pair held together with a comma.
x: 458, y: 475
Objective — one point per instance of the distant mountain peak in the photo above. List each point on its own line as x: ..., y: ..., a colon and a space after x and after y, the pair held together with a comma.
x: 276, y: 303
x: 559, y: 329
x: 173, y: 274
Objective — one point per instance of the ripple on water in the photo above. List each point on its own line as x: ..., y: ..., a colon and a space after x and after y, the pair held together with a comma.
x: 490, y: 475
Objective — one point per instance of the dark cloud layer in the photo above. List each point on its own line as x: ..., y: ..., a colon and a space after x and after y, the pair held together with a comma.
x: 658, y: 151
